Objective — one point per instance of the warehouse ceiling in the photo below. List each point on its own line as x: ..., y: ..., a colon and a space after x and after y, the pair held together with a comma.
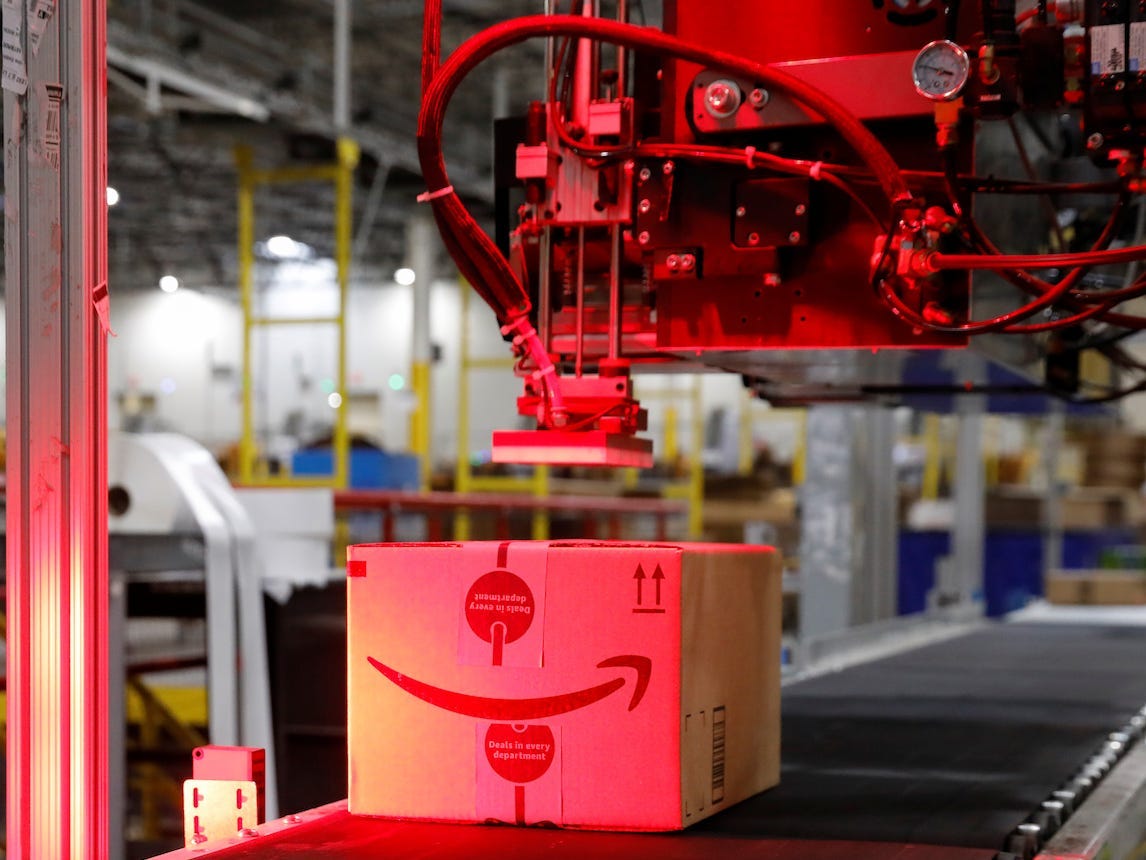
x: 185, y: 79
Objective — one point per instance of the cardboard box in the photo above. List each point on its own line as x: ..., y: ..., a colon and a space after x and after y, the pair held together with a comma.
x: 1097, y: 587
x: 1063, y: 589
x: 1012, y: 507
x: 1085, y: 508
x: 596, y: 685
x: 1081, y: 509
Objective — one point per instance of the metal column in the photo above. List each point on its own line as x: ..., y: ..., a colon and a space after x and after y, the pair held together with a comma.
x: 848, y: 558
x: 56, y: 282
x: 960, y: 578
x: 342, y: 43
x: 876, y: 497
x: 827, y: 535
x: 1054, y: 429
x: 420, y: 247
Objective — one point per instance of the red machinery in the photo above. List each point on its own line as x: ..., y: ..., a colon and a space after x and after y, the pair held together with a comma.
x: 762, y: 176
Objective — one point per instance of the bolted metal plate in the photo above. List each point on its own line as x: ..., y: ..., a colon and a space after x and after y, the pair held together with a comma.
x: 216, y: 809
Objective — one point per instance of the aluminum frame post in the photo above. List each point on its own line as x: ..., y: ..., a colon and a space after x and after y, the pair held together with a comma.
x: 55, y: 159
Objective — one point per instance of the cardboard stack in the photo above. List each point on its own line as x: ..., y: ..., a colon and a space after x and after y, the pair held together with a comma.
x: 1097, y: 587
x: 1115, y: 459
x: 595, y: 685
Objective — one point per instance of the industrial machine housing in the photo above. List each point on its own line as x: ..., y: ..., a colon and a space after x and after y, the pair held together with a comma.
x: 757, y: 188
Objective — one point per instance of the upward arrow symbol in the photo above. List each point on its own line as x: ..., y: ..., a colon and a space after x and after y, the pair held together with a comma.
x: 639, y: 576
x: 658, y: 577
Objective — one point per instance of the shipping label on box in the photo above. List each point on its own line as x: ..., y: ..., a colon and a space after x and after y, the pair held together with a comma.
x: 605, y: 685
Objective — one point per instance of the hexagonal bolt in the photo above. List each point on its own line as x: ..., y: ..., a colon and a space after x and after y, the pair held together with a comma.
x: 248, y: 832
x: 645, y: 174
x: 687, y: 262
x: 741, y: 211
x: 759, y: 98
x: 1095, y: 141
x: 753, y: 238
x: 672, y: 263
x: 667, y: 168
x: 643, y: 237
x: 794, y: 237
x: 801, y: 209
x: 722, y: 98
x: 645, y: 206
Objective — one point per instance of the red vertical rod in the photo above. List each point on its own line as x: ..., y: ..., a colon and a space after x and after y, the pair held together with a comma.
x: 56, y: 280
x: 497, y: 633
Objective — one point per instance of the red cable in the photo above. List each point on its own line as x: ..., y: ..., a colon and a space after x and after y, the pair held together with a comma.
x: 940, y: 262
x: 1036, y: 286
x: 431, y: 42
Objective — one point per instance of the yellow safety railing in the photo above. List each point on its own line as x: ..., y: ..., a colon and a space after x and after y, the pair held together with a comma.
x: 748, y: 421
x: 252, y: 467
x: 932, y: 457
x: 692, y: 488
x: 420, y: 421
x: 465, y: 481
x: 157, y: 790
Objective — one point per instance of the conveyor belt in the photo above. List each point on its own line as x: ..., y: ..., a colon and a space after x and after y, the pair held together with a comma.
x: 952, y: 744
x: 935, y: 754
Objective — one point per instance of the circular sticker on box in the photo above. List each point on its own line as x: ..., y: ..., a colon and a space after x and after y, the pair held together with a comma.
x: 499, y: 607
x: 519, y: 753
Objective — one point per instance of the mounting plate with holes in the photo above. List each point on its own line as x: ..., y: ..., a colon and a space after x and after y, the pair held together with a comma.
x: 216, y: 809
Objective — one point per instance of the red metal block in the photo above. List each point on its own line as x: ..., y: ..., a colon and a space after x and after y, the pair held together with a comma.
x: 571, y: 448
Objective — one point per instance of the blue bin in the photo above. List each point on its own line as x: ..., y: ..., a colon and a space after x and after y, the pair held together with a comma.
x: 370, y: 468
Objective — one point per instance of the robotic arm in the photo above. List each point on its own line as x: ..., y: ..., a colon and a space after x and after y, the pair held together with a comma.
x: 760, y: 180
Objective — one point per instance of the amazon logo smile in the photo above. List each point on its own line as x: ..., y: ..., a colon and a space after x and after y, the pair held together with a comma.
x: 522, y: 710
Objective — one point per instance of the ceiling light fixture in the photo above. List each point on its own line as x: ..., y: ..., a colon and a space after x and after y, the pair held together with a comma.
x: 283, y: 247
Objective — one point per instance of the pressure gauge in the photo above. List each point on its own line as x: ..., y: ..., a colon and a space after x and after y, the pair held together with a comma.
x: 940, y: 70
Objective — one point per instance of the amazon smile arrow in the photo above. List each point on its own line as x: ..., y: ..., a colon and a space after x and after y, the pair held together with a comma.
x: 520, y: 710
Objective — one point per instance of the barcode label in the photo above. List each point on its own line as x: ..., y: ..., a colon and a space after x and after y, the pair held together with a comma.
x: 718, y: 755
